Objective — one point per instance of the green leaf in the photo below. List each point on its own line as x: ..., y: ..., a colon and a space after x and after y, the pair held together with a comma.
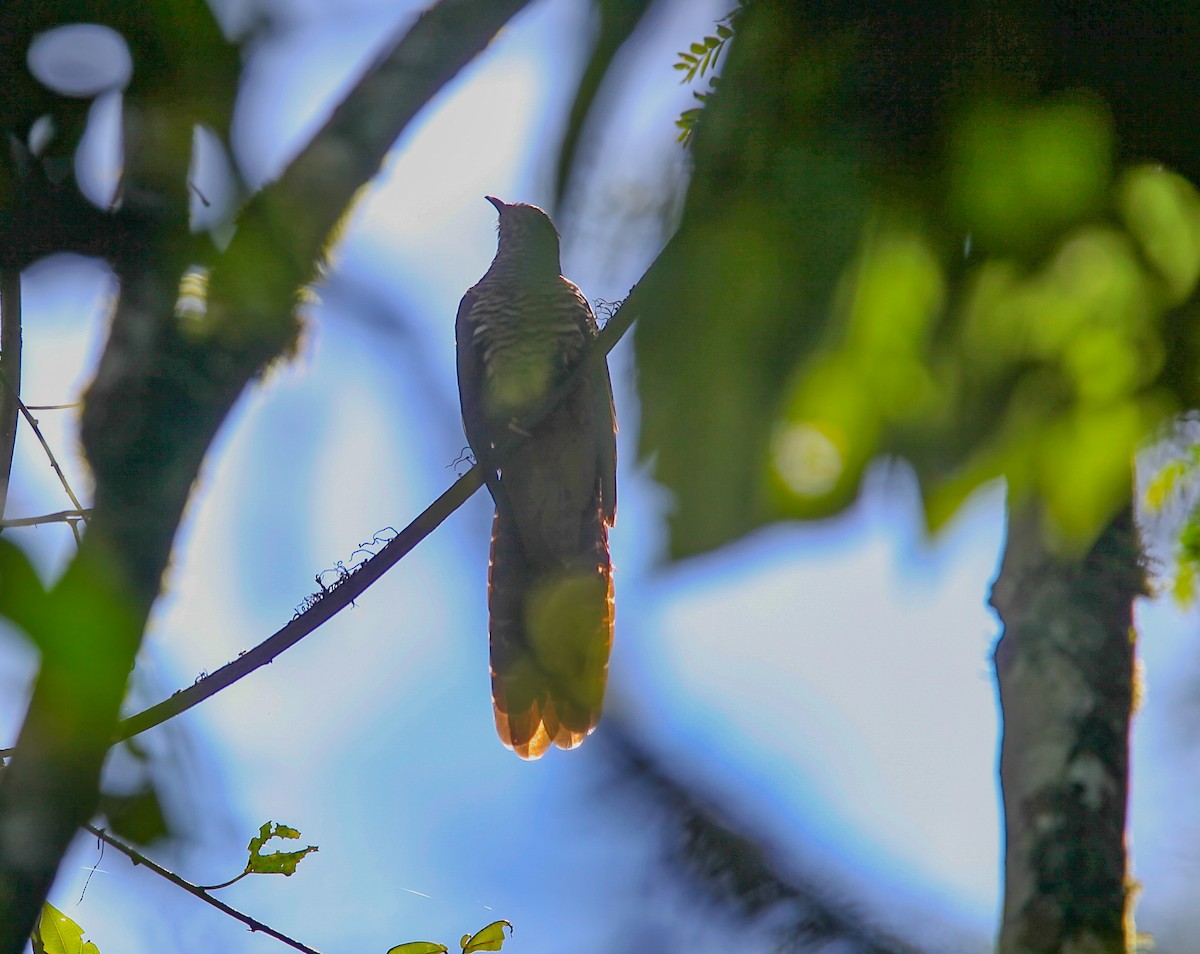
x: 724, y: 32
x: 1162, y: 211
x: 490, y: 938
x: 277, y: 862
x: 22, y: 595
x: 1183, y: 587
x: 697, y: 48
x: 418, y: 947
x: 711, y: 42
x: 688, y: 58
x: 136, y: 816
x: 1021, y: 173
x: 55, y: 933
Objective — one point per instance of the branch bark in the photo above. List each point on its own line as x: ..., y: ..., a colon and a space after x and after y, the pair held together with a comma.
x: 10, y: 370
x: 160, y: 394
x: 1065, y: 666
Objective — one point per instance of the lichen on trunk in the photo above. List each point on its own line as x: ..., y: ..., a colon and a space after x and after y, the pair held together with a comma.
x: 1065, y: 668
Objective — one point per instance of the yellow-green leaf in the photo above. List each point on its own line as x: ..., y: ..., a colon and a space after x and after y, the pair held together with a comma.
x: 418, y: 947
x: 55, y: 933
x: 490, y: 938
x: 1085, y: 466
x: 1183, y: 587
x: 1022, y: 172
x: 277, y: 862
x: 1162, y: 211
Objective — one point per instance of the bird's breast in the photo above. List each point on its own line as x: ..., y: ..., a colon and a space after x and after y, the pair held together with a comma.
x: 527, y: 342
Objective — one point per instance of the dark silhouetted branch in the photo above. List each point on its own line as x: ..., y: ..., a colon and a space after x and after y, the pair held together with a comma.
x: 196, y: 891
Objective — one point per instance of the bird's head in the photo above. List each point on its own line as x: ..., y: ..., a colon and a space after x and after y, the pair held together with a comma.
x: 526, y: 235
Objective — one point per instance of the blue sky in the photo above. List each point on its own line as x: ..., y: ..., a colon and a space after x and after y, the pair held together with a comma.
x: 832, y: 680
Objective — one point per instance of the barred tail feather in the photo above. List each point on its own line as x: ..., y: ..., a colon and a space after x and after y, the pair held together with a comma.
x: 551, y: 635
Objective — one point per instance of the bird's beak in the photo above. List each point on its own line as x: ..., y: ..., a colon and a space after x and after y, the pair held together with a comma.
x: 499, y: 204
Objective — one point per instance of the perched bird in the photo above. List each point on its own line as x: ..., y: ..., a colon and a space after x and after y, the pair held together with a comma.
x: 521, y: 330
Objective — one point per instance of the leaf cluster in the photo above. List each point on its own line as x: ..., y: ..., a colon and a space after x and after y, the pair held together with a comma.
x: 700, y: 58
x: 980, y: 276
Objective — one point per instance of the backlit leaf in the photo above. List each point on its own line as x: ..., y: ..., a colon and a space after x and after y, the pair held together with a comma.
x: 490, y: 938
x: 276, y: 862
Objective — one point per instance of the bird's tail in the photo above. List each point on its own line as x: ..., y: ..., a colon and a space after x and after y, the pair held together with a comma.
x: 551, y: 634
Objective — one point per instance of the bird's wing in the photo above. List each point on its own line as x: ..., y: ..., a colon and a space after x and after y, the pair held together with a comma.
x: 604, y: 414
x: 470, y: 384
x: 606, y: 438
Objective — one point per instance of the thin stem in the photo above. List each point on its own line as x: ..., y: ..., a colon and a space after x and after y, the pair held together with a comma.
x: 62, y: 516
x: 32, y: 421
x: 223, y: 884
x: 196, y: 891
x: 10, y: 369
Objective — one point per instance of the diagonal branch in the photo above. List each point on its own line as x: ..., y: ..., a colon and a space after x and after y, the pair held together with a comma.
x: 353, y: 586
x: 196, y: 891
x: 738, y: 869
x: 61, y: 516
x: 15, y: 396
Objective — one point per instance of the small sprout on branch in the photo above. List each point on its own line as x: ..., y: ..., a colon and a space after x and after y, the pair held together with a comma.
x: 277, y: 862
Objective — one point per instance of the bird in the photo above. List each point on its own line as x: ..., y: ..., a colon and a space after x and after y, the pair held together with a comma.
x: 521, y: 331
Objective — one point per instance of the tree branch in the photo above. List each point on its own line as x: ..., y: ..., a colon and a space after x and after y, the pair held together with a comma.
x: 736, y: 868
x: 10, y: 369
x: 196, y: 891
x: 15, y: 397
x: 162, y: 390
x: 61, y: 516
x: 1065, y: 670
x: 349, y: 589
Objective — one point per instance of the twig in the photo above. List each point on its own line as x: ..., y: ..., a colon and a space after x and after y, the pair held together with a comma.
x: 32, y: 421
x: 139, y: 859
x: 10, y: 369
x: 62, y: 516
x: 337, y: 599
x: 53, y: 407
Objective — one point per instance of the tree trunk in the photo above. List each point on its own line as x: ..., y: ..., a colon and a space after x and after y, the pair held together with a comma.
x: 1065, y: 667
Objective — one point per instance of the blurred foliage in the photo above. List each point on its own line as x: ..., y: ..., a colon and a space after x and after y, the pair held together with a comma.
x: 22, y: 596
x: 135, y: 816
x: 720, y: 859
x: 55, y: 933
x: 619, y: 20
x: 957, y: 245
x: 185, y: 73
